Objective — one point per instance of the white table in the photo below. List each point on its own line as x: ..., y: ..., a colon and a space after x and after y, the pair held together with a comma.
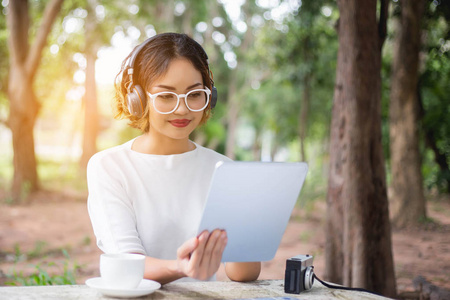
x: 196, y: 290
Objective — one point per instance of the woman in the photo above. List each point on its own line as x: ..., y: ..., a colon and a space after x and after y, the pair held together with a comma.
x: 147, y: 195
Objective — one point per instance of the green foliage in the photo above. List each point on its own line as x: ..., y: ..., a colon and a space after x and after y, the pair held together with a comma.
x: 436, y: 110
x: 424, y: 220
x: 4, y: 64
x: 42, y: 277
x: 434, y: 92
x: 305, y: 236
x: 6, y: 169
x: 431, y: 171
x: 86, y: 241
x: 66, y: 270
x: 299, y: 56
x: 38, y: 249
x: 287, y: 57
x: 60, y: 174
x: 128, y: 133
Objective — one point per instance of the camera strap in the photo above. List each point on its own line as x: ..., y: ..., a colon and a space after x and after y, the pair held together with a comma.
x: 339, y: 287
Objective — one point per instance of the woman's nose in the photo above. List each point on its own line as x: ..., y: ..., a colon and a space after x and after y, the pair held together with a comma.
x: 182, y: 107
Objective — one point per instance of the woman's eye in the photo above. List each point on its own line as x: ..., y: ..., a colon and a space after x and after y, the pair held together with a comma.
x: 167, y: 96
x: 195, y: 94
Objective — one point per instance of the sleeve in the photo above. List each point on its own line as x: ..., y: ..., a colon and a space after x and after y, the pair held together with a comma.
x: 110, y: 208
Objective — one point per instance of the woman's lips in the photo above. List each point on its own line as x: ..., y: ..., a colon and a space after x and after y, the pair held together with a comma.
x: 180, y: 122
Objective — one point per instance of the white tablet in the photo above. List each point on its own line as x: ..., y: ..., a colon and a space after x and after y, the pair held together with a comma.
x: 253, y: 202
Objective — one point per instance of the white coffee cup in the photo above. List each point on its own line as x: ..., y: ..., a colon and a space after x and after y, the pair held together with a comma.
x: 122, y: 270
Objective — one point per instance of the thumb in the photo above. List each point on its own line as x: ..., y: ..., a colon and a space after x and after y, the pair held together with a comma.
x: 187, y: 248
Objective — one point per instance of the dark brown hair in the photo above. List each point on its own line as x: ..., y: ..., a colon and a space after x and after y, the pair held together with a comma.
x: 151, y: 63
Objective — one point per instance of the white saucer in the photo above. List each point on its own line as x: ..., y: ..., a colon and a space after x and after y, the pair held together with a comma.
x: 144, y: 288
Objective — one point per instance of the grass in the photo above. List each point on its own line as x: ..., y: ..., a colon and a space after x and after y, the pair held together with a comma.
x: 86, y: 241
x: 66, y: 276
x: 44, y: 273
x: 59, y: 175
x: 305, y: 236
x: 426, y: 220
x: 38, y: 249
x: 6, y: 171
x: 54, y: 175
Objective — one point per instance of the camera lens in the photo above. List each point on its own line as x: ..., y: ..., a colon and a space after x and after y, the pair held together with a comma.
x: 309, y: 278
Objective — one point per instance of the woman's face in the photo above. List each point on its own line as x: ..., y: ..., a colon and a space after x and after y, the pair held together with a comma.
x: 181, y: 77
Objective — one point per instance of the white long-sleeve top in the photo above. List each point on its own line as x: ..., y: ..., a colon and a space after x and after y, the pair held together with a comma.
x: 149, y: 204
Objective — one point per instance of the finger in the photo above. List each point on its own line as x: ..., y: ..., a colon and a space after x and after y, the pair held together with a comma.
x: 213, y: 250
x: 187, y: 248
x: 197, y: 254
x: 222, y: 243
x: 224, y: 238
x: 216, y: 255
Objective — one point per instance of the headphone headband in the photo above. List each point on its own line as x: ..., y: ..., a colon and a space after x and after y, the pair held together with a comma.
x: 136, y: 52
x: 136, y: 97
x: 138, y: 49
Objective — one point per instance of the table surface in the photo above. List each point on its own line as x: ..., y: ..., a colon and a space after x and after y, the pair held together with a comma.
x: 261, y: 289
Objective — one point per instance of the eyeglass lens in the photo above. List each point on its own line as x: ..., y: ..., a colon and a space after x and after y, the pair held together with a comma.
x: 195, y: 100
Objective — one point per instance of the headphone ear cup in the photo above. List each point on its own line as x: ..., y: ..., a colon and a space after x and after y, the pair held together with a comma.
x: 137, y: 101
x: 213, y: 97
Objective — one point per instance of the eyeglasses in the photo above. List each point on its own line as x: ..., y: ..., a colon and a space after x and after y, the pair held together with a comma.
x: 168, y: 102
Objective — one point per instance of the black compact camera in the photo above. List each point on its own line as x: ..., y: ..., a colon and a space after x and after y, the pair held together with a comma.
x: 299, y: 274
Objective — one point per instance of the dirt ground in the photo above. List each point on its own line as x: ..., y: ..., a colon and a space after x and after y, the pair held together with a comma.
x: 34, y: 234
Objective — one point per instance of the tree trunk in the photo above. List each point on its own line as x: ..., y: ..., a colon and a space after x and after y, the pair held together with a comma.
x: 407, y: 199
x: 232, y: 118
x: 358, y: 250
x: 166, y: 17
x: 304, y: 110
x: 91, y: 118
x: 303, y: 115
x: 186, y: 23
x: 23, y: 112
x: 235, y: 84
x: 256, y: 145
x: 24, y: 107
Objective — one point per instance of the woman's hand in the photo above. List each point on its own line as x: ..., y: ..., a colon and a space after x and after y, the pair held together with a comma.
x: 200, y: 257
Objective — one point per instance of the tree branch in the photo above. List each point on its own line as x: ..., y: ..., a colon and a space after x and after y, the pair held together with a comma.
x: 51, y: 11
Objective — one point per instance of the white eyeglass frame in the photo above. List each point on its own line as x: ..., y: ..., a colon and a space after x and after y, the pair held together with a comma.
x: 206, y: 90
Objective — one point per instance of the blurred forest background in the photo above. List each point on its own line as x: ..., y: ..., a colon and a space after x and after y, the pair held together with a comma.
x: 274, y: 64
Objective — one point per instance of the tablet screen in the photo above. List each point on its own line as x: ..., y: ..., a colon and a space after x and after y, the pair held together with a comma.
x: 253, y: 202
